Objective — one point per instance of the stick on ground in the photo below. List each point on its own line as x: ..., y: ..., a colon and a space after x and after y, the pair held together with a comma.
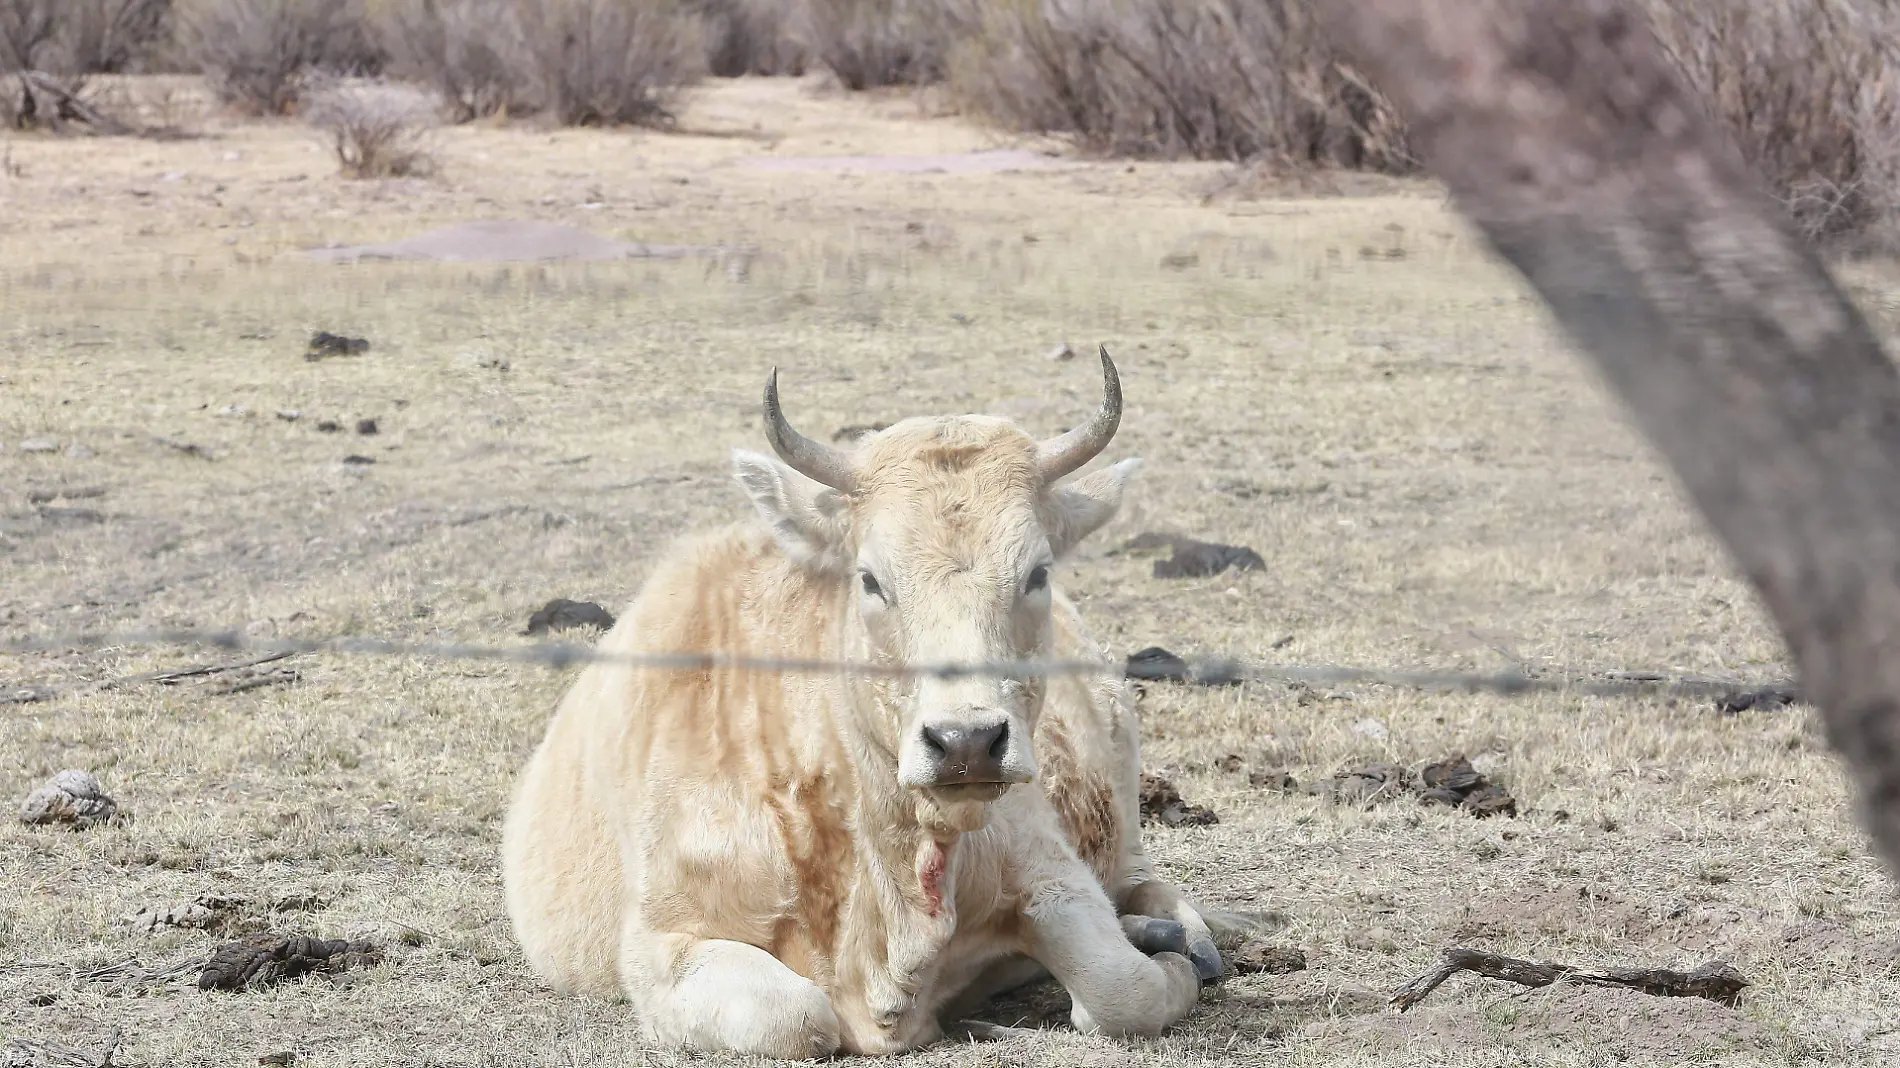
x: 1716, y: 980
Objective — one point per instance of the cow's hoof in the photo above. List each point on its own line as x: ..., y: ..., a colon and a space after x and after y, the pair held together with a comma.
x: 1206, y: 958
x: 1153, y: 935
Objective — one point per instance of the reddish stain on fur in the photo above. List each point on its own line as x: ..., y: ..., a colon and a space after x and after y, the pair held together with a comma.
x: 936, y: 861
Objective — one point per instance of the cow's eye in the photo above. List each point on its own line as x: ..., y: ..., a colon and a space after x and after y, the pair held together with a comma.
x: 1038, y: 579
x: 871, y: 588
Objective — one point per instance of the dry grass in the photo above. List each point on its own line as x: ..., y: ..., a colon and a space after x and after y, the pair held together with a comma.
x: 1347, y: 384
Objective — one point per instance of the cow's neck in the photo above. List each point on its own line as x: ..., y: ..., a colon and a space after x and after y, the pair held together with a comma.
x: 915, y: 840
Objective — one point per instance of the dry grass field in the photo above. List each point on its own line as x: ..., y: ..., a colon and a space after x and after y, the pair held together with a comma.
x: 1342, y: 379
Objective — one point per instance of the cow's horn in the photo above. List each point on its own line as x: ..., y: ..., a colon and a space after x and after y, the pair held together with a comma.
x: 821, y: 463
x: 1059, y: 456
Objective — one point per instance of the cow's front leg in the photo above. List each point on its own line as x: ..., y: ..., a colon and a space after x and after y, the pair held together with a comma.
x: 1117, y: 989
x: 716, y: 996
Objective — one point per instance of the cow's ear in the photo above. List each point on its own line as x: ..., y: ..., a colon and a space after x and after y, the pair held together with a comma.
x: 809, y: 521
x: 1081, y: 507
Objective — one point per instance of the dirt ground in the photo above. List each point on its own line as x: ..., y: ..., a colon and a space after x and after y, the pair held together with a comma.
x: 1335, y: 375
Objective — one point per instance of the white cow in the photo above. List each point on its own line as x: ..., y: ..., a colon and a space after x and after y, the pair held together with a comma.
x: 794, y: 864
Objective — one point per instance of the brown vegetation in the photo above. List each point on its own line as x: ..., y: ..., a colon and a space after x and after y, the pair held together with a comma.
x: 468, y: 51
x: 259, y: 55
x: 376, y: 131
x: 1212, y: 79
x: 48, y: 47
x: 1806, y: 86
x: 608, y: 62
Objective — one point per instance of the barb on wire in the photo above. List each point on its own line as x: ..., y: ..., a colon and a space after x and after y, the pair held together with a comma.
x: 1213, y: 671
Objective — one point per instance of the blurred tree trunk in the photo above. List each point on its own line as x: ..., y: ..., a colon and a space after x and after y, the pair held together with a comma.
x: 1568, y: 141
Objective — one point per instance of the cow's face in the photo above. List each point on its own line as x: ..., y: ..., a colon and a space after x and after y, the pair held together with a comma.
x: 946, y: 534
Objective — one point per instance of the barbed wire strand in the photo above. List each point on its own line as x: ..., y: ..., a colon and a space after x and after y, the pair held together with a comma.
x: 1203, y: 670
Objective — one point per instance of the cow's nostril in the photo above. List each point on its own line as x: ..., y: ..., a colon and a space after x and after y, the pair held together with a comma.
x: 936, y: 741
x: 1001, y: 740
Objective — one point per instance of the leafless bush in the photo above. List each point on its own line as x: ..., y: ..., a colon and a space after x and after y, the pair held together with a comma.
x: 750, y: 37
x: 1219, y: 79
x: 869, y: 43
x: 258, y: 54
x: 611, y: 61
x: 469, y: 51
x: 1811, y: 91
x: 377, y: 130
x: 49, y: 47
x: 73, y: 38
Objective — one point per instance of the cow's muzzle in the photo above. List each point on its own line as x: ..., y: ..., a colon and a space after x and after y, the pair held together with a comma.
x: 966, y: 752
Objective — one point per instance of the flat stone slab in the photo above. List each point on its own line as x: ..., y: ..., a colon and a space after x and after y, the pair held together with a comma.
x: 506, y: 241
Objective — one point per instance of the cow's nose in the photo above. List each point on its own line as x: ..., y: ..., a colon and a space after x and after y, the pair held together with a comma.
x: 965, y: 754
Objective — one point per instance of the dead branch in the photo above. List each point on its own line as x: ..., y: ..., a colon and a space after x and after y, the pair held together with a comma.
x: 1568, y: 141
x: 1716, y: 980
x: 45, y: 99
x: 172, y: 675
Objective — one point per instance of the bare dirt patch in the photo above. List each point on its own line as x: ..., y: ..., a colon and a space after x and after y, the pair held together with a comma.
x: 997, y: 161
x: 1602, y: 1024
x: 503, y: 241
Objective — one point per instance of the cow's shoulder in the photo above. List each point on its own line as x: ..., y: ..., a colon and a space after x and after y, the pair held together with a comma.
x: 1082, y: 747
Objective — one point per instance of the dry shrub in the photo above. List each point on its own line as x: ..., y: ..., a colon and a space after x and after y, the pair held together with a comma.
x: 1811, y: 91
x: 49, y: 47
x: 377, y: 130
x: 870, y: 43
x: 1213, y: 79
x: 79, y: 37
x: 469, y: 51
x: 750, y: 37
x: 611, y: 62
x: 1810, y: 88
x: 259, y: 55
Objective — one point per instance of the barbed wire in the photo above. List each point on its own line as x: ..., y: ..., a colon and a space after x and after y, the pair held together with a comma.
x: 1162, y: 667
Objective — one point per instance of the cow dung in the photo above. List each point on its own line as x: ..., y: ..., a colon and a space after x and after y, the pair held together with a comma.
x: 1193, y: 558
x: 858, y: 430
x: 1452, y: 781
x: 1155, y: 664
x: 1261, y: 957
x: 1161, y: 803
x: 324, y: 344
x: 264, y: 959
x: 563, y: 614
x: 70, y: 797
x: 505, y: 241
x: 1767, y: 700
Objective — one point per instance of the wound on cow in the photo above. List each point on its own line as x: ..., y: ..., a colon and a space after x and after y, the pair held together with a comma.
x: 930, y: 873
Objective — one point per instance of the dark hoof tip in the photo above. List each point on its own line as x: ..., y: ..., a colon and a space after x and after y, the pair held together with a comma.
x: 1206, y: 959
